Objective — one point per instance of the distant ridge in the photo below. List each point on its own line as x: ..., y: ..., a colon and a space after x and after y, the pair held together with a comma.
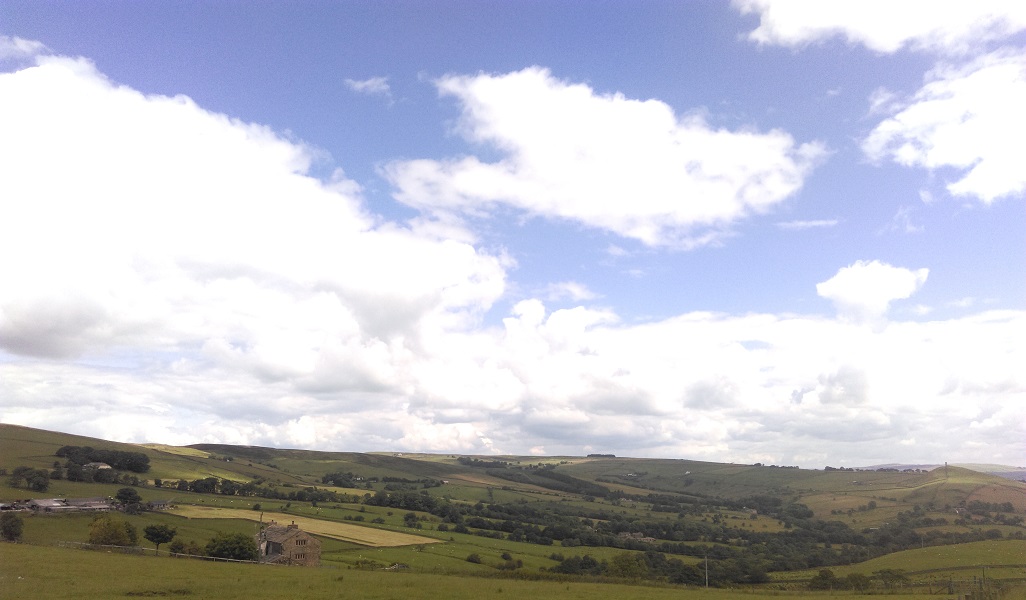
x: 1006, y: 471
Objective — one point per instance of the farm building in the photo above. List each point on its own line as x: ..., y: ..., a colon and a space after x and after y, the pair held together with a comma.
x: 288, y: 545
x: 63, y: 505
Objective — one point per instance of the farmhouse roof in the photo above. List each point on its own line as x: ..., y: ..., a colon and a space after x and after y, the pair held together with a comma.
x: 87, y: 501
x: 280, y: 533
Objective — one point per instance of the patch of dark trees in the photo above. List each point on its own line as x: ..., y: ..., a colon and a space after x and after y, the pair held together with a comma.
x: 549, y: 478
x: 120, y: 460
x: 468, y: 461
x: 352, y: 480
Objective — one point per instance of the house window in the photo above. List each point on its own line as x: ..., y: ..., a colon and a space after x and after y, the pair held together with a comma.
x: 300, y: 542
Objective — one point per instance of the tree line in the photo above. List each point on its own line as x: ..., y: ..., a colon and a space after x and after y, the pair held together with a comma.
x: 121, y: 460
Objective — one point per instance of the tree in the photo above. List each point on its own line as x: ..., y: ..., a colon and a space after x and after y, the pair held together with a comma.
x: 178, y: 546
x: 106, y: 530
x: 627, y: 565
x: 103, y: 475
x: 74, y: 472
x: 205, y: 486
x: 159, y: 534
x: 858, y: 582
x: 891, y: 577
x: 11, y: 526
x: 37, y: 480
x: 825, y: 580
x: 127, y: 495
x: 237, y: 546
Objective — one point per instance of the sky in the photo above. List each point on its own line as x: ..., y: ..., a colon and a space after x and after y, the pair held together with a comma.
x: 789, y: 232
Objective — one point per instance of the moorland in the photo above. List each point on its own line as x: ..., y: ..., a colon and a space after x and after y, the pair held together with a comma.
x: 406, y: 525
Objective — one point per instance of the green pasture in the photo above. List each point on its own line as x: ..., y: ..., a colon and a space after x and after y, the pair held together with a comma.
x: 940, y: 561
x: 30, y: 572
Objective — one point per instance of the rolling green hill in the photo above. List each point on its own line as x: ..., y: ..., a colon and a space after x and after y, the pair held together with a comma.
x: 651, y: 521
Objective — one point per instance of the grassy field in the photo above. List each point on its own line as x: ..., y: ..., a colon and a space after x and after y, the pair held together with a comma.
x: 32, y: 572
x: 366, y: 536
x: 960, y: 557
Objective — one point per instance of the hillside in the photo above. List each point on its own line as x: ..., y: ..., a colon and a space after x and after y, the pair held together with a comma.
x: 573, y: 516
x: 1006, y: 471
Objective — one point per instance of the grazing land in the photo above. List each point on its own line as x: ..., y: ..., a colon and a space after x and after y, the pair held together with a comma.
x: 365, y: 536
x: 427, y: 526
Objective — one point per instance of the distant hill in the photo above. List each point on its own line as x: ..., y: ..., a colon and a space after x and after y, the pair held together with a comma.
x: 595, y: 511
x: 827, y: 492
x: 1008, y: 472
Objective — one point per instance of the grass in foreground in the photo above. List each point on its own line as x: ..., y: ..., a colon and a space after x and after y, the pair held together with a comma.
x: 31, y: 572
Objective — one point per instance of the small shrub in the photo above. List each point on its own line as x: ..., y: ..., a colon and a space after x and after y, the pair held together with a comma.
x: 474, y: 558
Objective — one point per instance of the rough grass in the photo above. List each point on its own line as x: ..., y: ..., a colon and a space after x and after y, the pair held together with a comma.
x: 941, y: 561
x: 32, y: 572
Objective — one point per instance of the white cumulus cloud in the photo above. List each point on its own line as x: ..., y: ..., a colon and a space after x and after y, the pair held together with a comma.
x: 968, y: 117
x: 145, y: 222
x: 943, y: 26
x: 631, y: 167
x: 865, y: 290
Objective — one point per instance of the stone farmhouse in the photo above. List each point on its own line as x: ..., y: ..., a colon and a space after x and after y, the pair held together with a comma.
x: 288, y: 545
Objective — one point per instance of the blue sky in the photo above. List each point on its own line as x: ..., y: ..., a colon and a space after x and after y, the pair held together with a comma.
x: 781, y: 232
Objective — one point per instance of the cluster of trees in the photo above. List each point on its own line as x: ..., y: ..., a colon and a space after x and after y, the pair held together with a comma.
x: 37, y: 480
x: 259, y: 489
x: 120, y: 460
x: 468, y: 461
x: 410, y: 500
x: 827, y: 580
x: 978, y: 507
x: 548, y: 477
x: 109, y: 530
x: 340, y: 479
x: 629, y: 565
x: 657, y: 566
